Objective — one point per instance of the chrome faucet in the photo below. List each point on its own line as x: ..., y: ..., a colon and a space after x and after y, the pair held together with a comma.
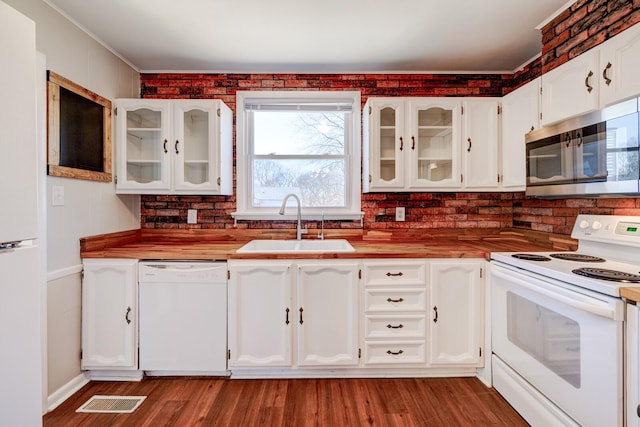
x: 299, y: 230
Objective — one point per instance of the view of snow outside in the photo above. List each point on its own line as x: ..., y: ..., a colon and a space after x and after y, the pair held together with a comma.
x: 299, y: 152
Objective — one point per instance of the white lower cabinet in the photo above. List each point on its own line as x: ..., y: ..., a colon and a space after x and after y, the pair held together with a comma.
x: 395, y: 301
x: 456, y: 313
x: 109, y: 314
x: 276, y: 306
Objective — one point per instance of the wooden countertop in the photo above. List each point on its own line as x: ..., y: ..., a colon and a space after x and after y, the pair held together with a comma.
x: 197, y: 244
x: 630, y: 293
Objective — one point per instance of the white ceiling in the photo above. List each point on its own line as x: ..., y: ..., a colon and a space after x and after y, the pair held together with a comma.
x: 321, y: 36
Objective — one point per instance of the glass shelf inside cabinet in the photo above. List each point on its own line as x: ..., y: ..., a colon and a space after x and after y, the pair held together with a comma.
x: 196, y: 146
x: 145, y: 145
x: 434, y: 150
x: 388, y: 134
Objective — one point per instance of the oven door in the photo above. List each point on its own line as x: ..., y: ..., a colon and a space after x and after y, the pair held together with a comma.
x: 567, y: 344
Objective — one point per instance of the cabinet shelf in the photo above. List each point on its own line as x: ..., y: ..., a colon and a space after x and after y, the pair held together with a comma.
x: 143, y: 162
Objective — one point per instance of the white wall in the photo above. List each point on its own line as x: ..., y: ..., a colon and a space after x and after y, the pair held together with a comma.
x: 90, y: 208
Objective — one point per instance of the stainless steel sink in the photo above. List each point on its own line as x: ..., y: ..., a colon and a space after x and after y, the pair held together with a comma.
x: 296, y: 246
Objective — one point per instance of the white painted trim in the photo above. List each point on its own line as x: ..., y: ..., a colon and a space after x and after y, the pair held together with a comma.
x: 354, y: 372
x: 66, y: 391
x: 64, y: 272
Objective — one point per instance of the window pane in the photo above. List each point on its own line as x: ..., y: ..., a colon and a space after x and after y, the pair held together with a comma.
x: 298, y: 132
x: 318, y: 183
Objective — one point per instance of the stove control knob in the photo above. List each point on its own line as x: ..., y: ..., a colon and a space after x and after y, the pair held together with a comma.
x: 584, y: 224
x: 597, y: 225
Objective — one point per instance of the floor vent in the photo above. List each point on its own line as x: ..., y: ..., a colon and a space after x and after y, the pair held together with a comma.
x: 112, y: 404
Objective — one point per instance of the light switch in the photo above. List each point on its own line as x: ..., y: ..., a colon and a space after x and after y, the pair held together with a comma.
x: 57, y: 195
x: 400, y: 213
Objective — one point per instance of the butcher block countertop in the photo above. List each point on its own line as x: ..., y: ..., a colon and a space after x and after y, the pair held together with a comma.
x: 632, y: 294
x: 199, y: 244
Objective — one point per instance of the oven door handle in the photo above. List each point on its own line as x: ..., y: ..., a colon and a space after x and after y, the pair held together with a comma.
x: 559, y: 294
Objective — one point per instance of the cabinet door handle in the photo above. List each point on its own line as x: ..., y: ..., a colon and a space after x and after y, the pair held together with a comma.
x: 568, y: 136
x: 413, y: 142
x: 126, y: 315
x: 586, y: 81
x: 164, y: 146
x: 301, y: 310
x: 607, y: 80
x: 176, y: 147
x: 579, y: 137
x: 395, y: 353
x: 435, y: 312
x: 401, y: 143
x: 286, y: 319
x: 400, y: 326
x: 395, y: 300
x: 399, y: 274
x: 468, y: 145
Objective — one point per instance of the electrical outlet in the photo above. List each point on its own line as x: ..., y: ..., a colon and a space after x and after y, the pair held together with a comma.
x: 192, y: 216
x: 400, y: 213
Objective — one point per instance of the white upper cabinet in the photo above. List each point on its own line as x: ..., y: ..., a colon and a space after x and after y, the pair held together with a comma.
x: 520, y: 115
x: 427, y: 144
x: 600, y: 77
x: 480, y: 145
x: 571, y: 89
x: 433, y: 136
x: 177, y: 146
x: 384, y: 130
x: 619, y: 65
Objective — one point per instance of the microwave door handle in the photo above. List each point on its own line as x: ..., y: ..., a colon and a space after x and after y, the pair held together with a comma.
x: 596, y: 307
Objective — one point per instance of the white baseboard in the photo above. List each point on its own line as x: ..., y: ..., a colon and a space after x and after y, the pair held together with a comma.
x: 66, y: 391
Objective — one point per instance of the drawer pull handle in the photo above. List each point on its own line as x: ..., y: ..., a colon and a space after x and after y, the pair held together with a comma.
x: 395, y: 300
x: 586, y: 81
x: 164, y: 146
x: 389, y: 274
x: 286, y: 319
x: 400, y: 326
x: 301, y: 310
x: 607, y: 80
x: 435, y: 311
x: 395, y: 353
x: 126, y: 315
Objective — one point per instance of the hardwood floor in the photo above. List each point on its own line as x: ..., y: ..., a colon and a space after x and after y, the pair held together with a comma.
x: 295, y: 402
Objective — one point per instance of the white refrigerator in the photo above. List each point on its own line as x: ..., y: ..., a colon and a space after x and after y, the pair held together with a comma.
x: 20, y: 304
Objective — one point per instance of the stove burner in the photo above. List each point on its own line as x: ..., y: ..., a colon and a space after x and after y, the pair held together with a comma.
x: 531, y: 257
x: 605, y: 274
x: 572, y: 256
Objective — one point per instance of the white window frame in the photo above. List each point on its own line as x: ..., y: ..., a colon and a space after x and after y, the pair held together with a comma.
x: 352, y: 210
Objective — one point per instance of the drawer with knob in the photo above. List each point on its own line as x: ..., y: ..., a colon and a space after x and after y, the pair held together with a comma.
x: 396, y: 272
x: 391, y: 352
x: 395, y: 300
x: 394, y: 327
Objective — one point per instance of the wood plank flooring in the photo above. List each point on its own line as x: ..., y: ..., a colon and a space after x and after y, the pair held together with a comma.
x: 295, y: 402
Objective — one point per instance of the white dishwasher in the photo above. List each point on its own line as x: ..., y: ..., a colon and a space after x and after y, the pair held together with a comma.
x: 183, y: 318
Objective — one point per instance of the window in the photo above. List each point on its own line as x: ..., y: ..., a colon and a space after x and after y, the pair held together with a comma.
x: 302, y: 143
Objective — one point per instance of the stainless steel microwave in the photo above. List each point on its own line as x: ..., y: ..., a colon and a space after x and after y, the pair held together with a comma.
x: 591, y: 155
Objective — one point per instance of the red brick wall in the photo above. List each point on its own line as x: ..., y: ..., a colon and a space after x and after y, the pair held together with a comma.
x: 584, y: 25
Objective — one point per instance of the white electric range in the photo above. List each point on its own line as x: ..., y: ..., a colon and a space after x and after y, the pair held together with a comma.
x: 558, y: 324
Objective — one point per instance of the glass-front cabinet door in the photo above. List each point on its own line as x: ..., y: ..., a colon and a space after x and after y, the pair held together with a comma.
x: 388, y: 144
x: 194, y: 156
x: 143, y: 132
x: 433, y: 143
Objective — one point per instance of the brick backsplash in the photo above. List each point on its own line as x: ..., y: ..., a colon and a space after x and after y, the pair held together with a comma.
x: 584, y: 25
